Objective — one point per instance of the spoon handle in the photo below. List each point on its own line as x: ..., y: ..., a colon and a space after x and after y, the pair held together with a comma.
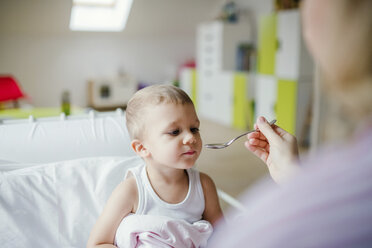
x: 251, y: 131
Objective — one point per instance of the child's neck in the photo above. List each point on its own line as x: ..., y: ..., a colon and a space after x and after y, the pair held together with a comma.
x: 166, y: 174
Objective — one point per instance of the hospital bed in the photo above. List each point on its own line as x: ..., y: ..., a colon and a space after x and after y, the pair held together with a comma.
x: 56, y: 175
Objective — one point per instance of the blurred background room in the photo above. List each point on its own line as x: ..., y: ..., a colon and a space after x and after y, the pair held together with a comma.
x: 236, y: 59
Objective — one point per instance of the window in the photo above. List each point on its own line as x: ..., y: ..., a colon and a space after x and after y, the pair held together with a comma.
x: 99, y: 15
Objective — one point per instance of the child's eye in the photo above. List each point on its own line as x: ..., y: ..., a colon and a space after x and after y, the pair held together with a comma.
x: 175, y: 132
x: 194, y: 130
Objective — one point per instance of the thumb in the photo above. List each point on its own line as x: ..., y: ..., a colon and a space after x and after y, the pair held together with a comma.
x: 267, y: 130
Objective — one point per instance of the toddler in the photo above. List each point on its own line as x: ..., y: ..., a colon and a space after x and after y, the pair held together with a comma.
x: 164, y: 129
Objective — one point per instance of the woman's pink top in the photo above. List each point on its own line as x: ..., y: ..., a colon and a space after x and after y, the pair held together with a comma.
x: 329, y: 204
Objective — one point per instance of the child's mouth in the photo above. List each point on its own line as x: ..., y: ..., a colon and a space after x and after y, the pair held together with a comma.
x: 190, y: 153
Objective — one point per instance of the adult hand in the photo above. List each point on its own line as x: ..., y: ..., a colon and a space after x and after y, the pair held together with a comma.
x: 276, y: 147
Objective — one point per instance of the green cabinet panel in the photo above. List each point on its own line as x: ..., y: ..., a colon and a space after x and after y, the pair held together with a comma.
x: 242, y: 109
x: 286, y: 105
x: 267, y: 44
x: 194, y: 87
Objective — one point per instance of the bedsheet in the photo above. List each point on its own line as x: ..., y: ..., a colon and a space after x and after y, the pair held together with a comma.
x: 57, y: 204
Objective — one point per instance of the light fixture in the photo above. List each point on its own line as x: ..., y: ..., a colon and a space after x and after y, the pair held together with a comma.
x: 99, y: 15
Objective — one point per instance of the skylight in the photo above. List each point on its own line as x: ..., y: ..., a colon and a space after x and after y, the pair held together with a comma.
x: 99, y: 15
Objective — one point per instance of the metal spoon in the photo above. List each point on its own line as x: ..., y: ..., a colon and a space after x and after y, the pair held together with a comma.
x: 226, y: 144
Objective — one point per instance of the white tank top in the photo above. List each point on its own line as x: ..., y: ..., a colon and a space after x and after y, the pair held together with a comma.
x: 190, y: 209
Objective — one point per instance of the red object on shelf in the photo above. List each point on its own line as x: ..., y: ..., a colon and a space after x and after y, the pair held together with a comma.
x: 9, y: 89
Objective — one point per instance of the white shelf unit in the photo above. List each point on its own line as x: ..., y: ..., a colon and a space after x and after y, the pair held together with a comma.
x: 217, y: 44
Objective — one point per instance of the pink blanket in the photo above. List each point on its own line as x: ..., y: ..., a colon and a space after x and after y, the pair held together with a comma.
x: 161, y: 231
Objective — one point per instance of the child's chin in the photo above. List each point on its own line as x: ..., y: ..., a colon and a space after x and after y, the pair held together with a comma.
x: 188, y: 166
x: 188, y: 163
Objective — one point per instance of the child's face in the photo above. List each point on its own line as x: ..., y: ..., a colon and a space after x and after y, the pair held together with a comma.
x: 172, y: 136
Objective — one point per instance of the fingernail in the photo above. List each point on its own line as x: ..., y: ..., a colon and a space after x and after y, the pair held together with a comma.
x: 261, y: 119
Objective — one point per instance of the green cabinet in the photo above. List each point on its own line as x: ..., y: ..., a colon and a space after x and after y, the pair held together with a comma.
x: 286, y: 105
x: 243, y: 103
x: 267, y: 45
x: 285, y: 70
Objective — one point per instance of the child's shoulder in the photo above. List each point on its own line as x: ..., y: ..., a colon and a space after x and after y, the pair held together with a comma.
x: 127, y: 187
x: 204, y: 176
x: 124, y: 196
x: 206, y: 180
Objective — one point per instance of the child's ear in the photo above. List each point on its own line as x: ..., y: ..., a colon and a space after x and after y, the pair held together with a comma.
x: 139, y: 148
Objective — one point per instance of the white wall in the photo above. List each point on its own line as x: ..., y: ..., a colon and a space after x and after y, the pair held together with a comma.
x: 46, y: 65
x: 37, y: 47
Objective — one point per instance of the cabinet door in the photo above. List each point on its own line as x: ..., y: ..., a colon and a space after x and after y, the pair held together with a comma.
x: 267, y: 45
x: 215, y: 97
x: 266, y: 93
x: 209, y: 46
x: 223, y: 93
x: 241, y: 111
x: 287, y: 105
x: 205, y: 95
x: 288, y: 53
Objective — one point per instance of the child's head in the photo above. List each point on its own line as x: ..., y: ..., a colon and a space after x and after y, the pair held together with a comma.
x: 164, y: 127
x: 146, y: 98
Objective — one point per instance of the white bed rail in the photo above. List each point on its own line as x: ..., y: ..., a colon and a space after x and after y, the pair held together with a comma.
x: 39, y: 140
x: 230, y: 200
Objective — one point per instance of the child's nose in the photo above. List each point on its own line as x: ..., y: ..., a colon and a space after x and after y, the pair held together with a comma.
x: 189, y: 138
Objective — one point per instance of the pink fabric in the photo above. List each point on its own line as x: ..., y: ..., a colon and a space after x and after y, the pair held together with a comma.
x: 328, y: 205
x: 142, y: 231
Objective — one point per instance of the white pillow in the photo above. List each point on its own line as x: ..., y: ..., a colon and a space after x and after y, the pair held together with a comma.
x: 57, y: 204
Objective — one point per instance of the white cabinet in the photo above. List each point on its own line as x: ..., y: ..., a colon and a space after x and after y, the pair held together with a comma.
x: 216, y: 97
x: 217, y: 44
x: 266, y: 96
x: 230, y: 103
x: 292, y: 60
x: 217, y: 81
x: 288, y: 36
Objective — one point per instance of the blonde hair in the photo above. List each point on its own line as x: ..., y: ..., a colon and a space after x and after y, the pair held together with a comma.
x: 147, y: 97
x: 352, y: 56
